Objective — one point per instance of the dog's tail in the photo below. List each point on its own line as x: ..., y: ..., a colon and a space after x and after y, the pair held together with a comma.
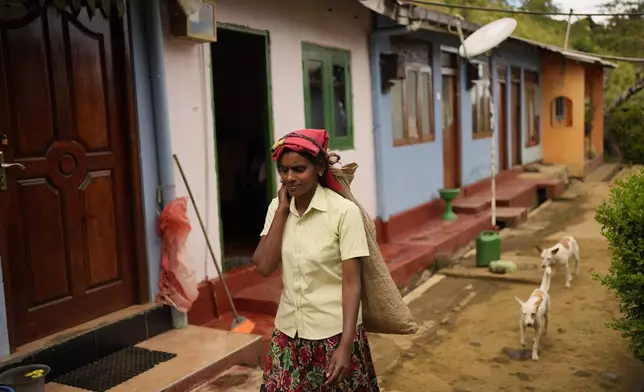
x: 545, y: 281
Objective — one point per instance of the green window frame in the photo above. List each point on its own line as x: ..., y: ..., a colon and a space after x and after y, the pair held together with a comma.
x: 325, y: 61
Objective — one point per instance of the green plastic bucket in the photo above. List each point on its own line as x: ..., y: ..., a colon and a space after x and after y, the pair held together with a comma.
x: 488, y: 248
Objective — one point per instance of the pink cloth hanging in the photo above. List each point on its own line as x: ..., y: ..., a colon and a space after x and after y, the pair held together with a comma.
x: 178, y: 281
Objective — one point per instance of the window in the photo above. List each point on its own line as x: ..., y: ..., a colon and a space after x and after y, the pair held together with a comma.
x: 413, y: 106
x: 481, y: 100
x: 561, y: 112
x: 531, y: 87
x: 327, y: 93
x: 449, y: 60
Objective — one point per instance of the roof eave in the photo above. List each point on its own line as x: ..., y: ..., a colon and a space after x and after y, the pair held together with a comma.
x: 431, y: 19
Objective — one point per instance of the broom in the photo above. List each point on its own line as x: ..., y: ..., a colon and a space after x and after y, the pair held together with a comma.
x: 240, y: 324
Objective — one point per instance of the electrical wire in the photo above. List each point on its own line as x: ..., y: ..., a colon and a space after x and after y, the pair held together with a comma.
x: 521, y: 12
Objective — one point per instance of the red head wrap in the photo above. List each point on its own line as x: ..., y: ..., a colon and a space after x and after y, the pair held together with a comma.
x: 311, y: 141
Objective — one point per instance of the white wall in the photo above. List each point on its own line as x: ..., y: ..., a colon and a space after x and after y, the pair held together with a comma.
x: 336, y: 23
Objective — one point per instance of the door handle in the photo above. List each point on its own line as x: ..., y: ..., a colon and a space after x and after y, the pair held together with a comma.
x: 3, y: 174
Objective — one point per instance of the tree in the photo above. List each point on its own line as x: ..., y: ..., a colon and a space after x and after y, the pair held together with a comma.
x: 636, y: 87
x: 540, y: 5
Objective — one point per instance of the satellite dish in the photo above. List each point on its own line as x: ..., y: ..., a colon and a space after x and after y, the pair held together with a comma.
x: 487, y: 37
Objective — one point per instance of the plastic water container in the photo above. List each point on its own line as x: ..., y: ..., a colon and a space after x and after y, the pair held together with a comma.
x: 30, y: 378
x: 488, y: 248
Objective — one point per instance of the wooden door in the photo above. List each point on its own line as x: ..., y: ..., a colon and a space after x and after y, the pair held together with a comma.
x: 66, y: 220
x: 503, y: 129
x: 515, y: 124
x: 451, y: 140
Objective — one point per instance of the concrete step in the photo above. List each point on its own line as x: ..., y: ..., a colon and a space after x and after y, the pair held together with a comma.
x: 235, y: 379
x: 514, y: 192
x: 264, y: 325
x: 262, y: 298
x: 554, y: 187
x: 471, y: 205
x: 512, y: 216
x: 405, y: 262
x: 202, y: 353
x: 603, y: 173
x: 447, y: 236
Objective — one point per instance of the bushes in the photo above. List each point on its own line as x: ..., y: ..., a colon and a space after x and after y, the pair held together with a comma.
x: 627, y: 127
x: 622, y: 220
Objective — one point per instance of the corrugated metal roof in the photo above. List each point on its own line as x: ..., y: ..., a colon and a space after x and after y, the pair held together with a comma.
x: 416, y: 13
x: 571, y: 54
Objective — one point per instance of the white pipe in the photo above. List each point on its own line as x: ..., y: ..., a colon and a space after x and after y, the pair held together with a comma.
x: 166, y: 189
x: 490, y: 90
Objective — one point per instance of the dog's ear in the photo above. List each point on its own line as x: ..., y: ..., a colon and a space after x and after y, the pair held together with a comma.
x: 538, y: 248
x: 554, y: 251
x: 518, y: 300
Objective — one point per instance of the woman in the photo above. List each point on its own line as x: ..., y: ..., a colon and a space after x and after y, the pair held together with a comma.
x: 318, y: 239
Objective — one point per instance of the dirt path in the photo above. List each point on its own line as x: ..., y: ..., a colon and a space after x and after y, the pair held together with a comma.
x: 475, y: 353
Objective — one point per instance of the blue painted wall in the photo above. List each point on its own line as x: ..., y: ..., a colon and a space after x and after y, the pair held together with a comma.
x: 527, y: 59
x: 475, y: 153
x: 408, y: 176
x: 147, y: 141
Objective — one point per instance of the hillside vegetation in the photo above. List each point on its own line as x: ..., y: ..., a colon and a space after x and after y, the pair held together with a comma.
x: 618, y: 36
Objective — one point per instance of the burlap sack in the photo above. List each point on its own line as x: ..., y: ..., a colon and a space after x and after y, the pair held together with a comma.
x: 383, y: 308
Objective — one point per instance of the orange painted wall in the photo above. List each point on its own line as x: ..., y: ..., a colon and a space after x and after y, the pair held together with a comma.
x: 597, y: 83
x: 564, y: 145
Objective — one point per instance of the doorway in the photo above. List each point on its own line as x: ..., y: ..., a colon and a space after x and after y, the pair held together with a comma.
x: 243, y: 136
x: 515, y: 116
x: 451, y: 139
x: 503, y: 129
x: 68, y: 218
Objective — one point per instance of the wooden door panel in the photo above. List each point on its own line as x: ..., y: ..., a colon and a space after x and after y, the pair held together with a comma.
x: 451, y: 148
x: 71, y: 256
x: 89, y: 53
x: 503, y: 129
x: 26, y: 68
x: 516, y: 123
x: 45, y: 245
x: 101, y: 231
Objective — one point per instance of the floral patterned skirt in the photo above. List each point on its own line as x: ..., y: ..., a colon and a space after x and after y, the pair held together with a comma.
x: 299, y: 365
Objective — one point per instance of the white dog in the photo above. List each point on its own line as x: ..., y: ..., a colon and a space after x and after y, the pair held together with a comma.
x: 535, y: 313
x: 560, y: 254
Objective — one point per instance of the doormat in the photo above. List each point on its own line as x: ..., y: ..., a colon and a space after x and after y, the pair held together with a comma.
x: 114, y: 369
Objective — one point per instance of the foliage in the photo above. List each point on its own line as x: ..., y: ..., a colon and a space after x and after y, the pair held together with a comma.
x: 627, y: 126
x: 622, y: 36
x: 622, y: 220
